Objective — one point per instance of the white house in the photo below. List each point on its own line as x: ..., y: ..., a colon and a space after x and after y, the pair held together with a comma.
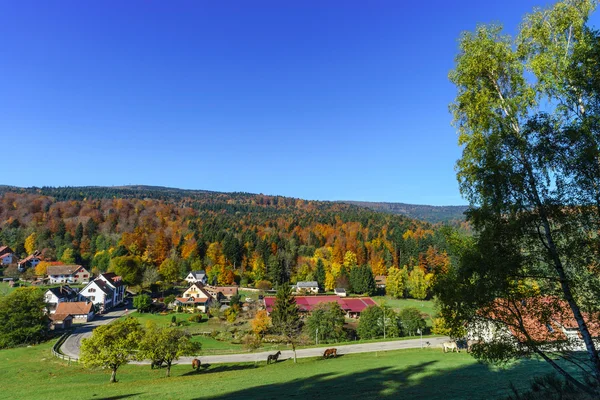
x: 197, y: 276
x: 56, y: 295
x: 116, y: 284
x: 7, y: 256
x: 341, y: 292
x: 307, y: 287
x: 98, y: 293
x: 68, y: 274
x: 195, y: 298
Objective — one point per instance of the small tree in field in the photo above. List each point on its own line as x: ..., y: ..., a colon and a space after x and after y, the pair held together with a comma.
x: 261, y: 323
x: 285, y: 316
x: 166, y: 345
x: 142, y: 302
x: 112, y: 345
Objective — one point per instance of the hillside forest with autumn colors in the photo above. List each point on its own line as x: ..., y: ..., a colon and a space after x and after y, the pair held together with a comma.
x: 145, y: 233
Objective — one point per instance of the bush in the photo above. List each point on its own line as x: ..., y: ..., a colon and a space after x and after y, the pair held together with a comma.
x: 195, y: 318
x: 251, y: 342
x: 263, y: 285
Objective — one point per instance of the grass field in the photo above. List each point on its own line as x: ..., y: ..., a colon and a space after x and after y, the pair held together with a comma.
x: 5, y: 289
x: 426, y: 306
x: 32, y: 373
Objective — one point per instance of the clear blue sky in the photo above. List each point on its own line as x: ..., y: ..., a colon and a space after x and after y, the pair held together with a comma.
x: 322, y: 100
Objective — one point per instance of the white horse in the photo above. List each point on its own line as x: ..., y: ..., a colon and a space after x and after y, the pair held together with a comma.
x: 450, y: 346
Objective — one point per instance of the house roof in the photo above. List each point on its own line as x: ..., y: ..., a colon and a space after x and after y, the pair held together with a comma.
x: 339, y: 290
x: 63, y: 291
x: 29, y: 258
x: 198, y: 274
x: 543, y: 318
x: 74, y: 308
x: 190, y: 300
x: 201, y: 289
x: 306, y: 303
x: 112, y: 278
x: 225, y: 290
x: 59, y: 317
x: 63, y: 269
x: 307, y: 284
x: 5, y: 250
x: 380, y: 279
x: 103, y: 286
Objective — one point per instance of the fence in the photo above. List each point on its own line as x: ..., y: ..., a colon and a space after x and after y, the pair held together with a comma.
x: 56, y: 349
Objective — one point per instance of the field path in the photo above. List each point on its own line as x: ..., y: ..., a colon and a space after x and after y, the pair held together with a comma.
x: 71, y: 346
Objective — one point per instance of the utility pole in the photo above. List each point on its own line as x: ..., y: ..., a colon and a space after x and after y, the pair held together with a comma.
x: 317, y: 336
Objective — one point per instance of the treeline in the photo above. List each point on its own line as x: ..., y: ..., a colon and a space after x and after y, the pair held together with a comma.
x: 145, y: 233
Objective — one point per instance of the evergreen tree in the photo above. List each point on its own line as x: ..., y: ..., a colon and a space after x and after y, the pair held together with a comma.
x: 320, y: 273
x: 285, y: 316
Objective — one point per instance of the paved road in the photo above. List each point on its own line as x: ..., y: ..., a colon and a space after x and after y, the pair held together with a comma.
x: 71, y: 346
x: 317, y: 351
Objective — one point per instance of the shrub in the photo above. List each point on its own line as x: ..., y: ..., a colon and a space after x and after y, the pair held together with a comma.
x: 195, y: 318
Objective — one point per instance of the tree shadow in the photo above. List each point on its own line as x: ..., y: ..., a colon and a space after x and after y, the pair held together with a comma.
x: 421, y: 381
x: 208, y: 369
x: 123, y: 396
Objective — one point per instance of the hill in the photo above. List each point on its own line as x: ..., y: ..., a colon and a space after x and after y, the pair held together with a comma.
x: 135, y: 230
x: 433, y: 214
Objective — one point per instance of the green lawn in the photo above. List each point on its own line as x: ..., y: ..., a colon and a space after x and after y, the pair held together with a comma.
x: 32, y: 373
x: 5, y: 289
x: 426, y: 306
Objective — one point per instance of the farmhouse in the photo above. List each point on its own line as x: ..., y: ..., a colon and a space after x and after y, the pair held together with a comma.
x: 546, y: 320
x: 352, y: 306
x: 7, y: 256
x: 30, y: 261
x: 196, y: 297
x: 307, y: 287
x: 56, y: 295
x: 82, y: 311
x: 222, y: 294
x: 60, y: 321
x: 98, y: 293
x: 197, y: 277
x: 116, y: 284
x: 340, y: 292
x: 68, y: 274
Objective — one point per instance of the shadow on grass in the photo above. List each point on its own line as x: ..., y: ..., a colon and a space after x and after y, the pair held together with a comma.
x: 208, y: 369
x: 123, y: 396
x: 425, y: 380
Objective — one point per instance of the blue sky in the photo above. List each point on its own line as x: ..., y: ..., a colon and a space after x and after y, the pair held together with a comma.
x: 328, y: 100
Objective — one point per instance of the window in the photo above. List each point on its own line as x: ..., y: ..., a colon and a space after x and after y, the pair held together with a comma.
x: 549, y: 327
x: 92, y: 298
x: 85, y: 276
x: 92, y: 290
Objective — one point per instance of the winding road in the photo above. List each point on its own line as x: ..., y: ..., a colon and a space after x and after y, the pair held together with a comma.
x: 72, y: 345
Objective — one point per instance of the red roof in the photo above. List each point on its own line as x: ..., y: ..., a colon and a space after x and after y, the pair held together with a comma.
x: 306, y: 303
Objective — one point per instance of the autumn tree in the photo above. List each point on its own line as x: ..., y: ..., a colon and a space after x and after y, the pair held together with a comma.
x: 111, y: 345
x: 261, y: 323
x: 169, y: 270
x: 68, y: 256
x: 286, y: 316
x: 31, y: 243
x: 42, y: 268
x: 527, y: 112
x: 396, y: 282
x: 418, y: 284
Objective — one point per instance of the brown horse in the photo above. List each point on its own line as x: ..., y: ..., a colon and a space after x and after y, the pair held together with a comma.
x: 196, y: 364
x: 273, y: 357
x: 330, y: 353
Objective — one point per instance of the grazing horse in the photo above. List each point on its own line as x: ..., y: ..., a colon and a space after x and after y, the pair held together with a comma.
x: 157, y: 363
x: 330, y: 353
x: 470, y: 344
x: 196, y: 364
x: 273, y: 357
x: 450, y: 346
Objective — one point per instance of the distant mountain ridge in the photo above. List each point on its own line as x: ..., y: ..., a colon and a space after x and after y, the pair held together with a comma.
x: 432, y: 214
x: 427, y: 213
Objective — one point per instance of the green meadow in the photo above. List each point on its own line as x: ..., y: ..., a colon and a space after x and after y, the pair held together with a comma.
x: 33, y: 373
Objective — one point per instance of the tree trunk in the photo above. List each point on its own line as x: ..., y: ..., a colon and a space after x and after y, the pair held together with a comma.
x: 294, y: 349
x: 168, y: 369
x: 113, y: 376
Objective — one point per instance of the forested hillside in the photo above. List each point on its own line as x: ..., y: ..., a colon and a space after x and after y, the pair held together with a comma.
x: 417, y: 211
x: 145, y: 231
